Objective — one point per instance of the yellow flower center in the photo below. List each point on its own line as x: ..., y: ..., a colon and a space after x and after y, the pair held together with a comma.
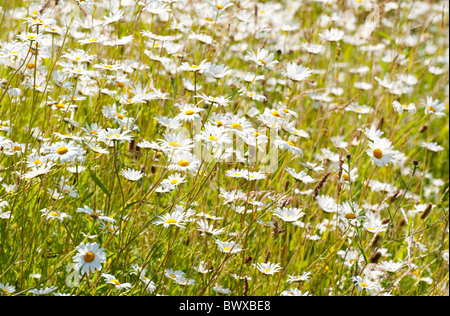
x: 189, y: 112
x: 93, y: 40
x: 54, y: 214
x: 93, y: 133
x: 174, y: 181
x: 262, y: 61
x: 60, y: 106
x: 31, y: 66
x: 267, y: 270
x: 120, y: 116
x: 37, y: 162
x: 291, y: 143
x: 183, y: 163
x: 237, y: 126
x: 115, y: 282
x: 89, y: 257
x: 218, y: 6
x: 432, y: 109
x: 213, y: 138
x: 377, y: 153
x: 194, y: 67
x: 350, y: 216
x: 346, y: 177
x: 77, y: 58
x: 114, y: 135
x: 171, y: 221
x: 62, y: 150
x: 219, y: 123
x: 275, y: 113
x: 16, y: 148
x: 226, y: 249
x: 209, y: 19
x: 363, y: 284
x: 175, y: 144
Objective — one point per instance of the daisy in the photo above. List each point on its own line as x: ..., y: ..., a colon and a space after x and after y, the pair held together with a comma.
x: 202, y: 68
x: 433, y: 146
x: 327, y: 204
x: 433, y: 106
x: 268, y: 268
x: 221, y: 290
x: 295, y: 292
x: 95, y: 214
x: 89, y: 258
x: 43, y: 291
x: 391, y: 266
x: 218, y: 71
x: 380, y: 152
x: 131, y: 174
x: 288, y: 145
x: 110, y: 135
x: 110, y: 279
x: 374, y: 224
x: 182, y: 161
x: 365, y: 284
x: 296, y: 73
x: 313, y: 166
x: 49, y: 214
x: 175, y: 141
x: 288, y: 214
x: 175, y: 218
x: 228, y: 247
x: 206, y: 229
x: 399, y: 108
x: 299, y: 278
x: 174, y: 275
x: 189, y: 113
x: 174, y: 180
x: 301, y: 176
x: 262, y: 58
x: 213, y: 135
x: 332, y: 35
x: 350, y: 212
x: 6, y: 289
x: 64, y: 152
x: 373, y: 133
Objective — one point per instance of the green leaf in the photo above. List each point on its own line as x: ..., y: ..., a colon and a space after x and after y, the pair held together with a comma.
x: 99, y: 183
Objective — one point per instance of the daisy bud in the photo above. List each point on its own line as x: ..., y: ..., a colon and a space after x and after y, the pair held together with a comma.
x: 385, y: 221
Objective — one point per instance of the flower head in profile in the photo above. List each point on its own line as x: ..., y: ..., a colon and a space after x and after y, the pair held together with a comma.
x: 43, y: 291
x: 295, y: 292
x: 110, y: 279
x: 263, y: 58
x: 268, y: 268
x: 175, y: 218
x: 288, y: 214
x: 89, y: 258
x: 297, y: 72
x: 131, y: 174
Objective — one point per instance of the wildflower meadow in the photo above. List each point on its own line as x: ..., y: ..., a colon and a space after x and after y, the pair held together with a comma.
x: 224, y: 148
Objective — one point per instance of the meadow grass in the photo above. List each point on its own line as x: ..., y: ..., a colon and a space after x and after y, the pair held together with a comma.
x: 89, y: 91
